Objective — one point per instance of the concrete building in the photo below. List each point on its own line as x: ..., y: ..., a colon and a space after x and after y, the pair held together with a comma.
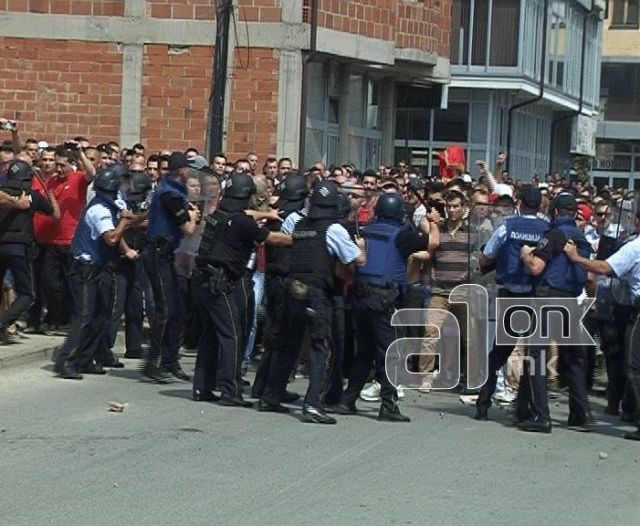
x: 140, y: 70
x: 522, y: 72
x: 617, y: 161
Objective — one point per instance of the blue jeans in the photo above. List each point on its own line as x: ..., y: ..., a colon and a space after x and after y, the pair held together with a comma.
x: 258, y: 290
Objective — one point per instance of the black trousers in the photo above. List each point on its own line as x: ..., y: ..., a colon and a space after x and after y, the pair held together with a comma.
x: 34, y: 312
x: 223, y: 338
x: 275, y: 366
x: 532, y: 395
x: 632, y: 363
x: 372, y: 316
x: 56, y: 288
x: 498, y: 357
x: 338, y: 330
x: 15, y: 259
x: 92, y: 297
x: 166, y: 329
x: 613, y: 344
x: 128, y: 299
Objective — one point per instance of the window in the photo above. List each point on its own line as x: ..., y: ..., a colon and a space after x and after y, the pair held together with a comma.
x: 495, y: 25
x: 452, y: 124
x: 625, y: 14
x: 620, y: 92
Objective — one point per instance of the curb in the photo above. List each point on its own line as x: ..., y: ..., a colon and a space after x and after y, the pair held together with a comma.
x: 25, y: 357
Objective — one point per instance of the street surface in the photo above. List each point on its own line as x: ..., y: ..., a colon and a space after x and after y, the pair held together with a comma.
x: 66, y: 460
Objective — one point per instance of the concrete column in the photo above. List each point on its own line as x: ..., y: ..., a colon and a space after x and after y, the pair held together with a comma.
x: 388, y: 120
x: 344, y: 78
x: 289, y: 97
x: 131, y: 95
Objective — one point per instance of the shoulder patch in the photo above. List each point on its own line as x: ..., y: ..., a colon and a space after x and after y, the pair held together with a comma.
x: 542, y: 243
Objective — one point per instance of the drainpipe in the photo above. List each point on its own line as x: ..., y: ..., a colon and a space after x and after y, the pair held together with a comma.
x: 581, y: 96
x: 313, y: 47
x: 543, y: 70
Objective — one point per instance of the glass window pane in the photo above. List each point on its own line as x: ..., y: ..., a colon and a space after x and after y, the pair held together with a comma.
x: 459, y: 31
x: 505, y: 28
x: 356, y: 99
x: 632, y: 13
x: 313, y: 146
x: 479, y: 123
x: 620, y: 182
x: 618, y: 12
x: 452, y: 124
x: 480, y: 27
x: 600, y: 182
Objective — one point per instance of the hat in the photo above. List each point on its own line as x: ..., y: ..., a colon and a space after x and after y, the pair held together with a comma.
x: 178, y: 160
x: 387, y: 183
x: 502, y: 189
x: 198, y: 162
x: 465, y: 177
x: 584, y: 212
x: 564, y: 201
x: 43, y: 144
x: 416, y: 184
x: 530, y: 197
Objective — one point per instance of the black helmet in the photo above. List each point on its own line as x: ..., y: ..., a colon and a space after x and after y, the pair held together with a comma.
x: 293, y: 188
x: 240, y: 186
x: 109, y: 178
x: 325, y: 195
x: 139, y: 184
x: 21, y: 171
x: 390, y: 206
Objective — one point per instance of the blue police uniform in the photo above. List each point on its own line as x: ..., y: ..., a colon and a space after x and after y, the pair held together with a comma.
x: 504, y: 246
x: 561, y: 278
x: 167, y: 212
x: 379, y: 287
x: 90, y: 282
x: 625, y: 264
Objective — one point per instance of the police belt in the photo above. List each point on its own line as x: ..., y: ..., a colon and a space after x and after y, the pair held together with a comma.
x: 161, y: 245
x: 362, y: 287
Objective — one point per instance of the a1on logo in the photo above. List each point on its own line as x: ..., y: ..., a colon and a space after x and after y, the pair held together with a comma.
x: 444, y: 342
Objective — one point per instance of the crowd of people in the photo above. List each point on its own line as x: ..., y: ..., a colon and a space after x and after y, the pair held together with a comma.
x: 91, y: 234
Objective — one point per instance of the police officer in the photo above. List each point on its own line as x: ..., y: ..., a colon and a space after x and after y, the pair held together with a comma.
x: 95, y: 244
x: 228, y: 240
x: 170, y: 218
x: 559, y: 278
x: 16, y: 239
x: 503, y: 251
x: 129, y: 278
x: 623, y: 264
x: 379, y: 288
x: 319, y: 243
x: 292, y: 194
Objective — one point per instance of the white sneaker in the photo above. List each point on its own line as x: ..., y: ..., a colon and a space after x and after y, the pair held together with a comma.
x: 503, y: 397
x: 371, y: 393
x: 425, y: 386
x: 400, y: 391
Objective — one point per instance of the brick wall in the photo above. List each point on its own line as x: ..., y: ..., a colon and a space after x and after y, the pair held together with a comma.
x: 57, y: 90
x: 420, y: 24
x: 182, y: 9
x: 65, y: 7
x: 175, y: 96
x: 254, y: 103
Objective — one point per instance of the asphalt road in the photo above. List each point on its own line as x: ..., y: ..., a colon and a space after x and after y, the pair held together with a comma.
x: 64, y: 459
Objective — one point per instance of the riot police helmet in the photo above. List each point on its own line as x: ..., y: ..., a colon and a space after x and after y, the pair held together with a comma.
x: 109, y: 179
x: 20, y: 170
x: 390, y: 206
x: 325, y: 195
x: 240, y: 186
x: 293, y: 188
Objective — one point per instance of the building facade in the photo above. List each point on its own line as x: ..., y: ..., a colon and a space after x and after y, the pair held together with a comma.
x: 617, y: 161
x: 141, y: 70
x: 522, y: 72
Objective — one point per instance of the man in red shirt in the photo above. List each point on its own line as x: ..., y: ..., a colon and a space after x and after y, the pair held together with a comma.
x: 69, y: 187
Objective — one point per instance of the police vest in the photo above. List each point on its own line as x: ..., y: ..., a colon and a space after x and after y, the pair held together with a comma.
x: 521, y: 231
x: 161, y: 223
x: 15, y: 225
x: 385, y: 267
x: 99, y: 252
x: 310, y: 261
x: 214, y: 247
x: 560, y: 273
x: 277, y: 258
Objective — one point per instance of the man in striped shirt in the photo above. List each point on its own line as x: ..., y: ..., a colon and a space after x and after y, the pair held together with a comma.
x: 450, y: 269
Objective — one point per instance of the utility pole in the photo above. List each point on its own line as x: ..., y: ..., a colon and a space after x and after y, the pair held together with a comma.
x: 219, y: 80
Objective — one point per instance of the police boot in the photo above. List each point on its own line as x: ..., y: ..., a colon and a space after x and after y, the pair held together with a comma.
x: 311, y: 414
x: 152, y: 373
x: 635, y: 435
x: 388, y: 415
